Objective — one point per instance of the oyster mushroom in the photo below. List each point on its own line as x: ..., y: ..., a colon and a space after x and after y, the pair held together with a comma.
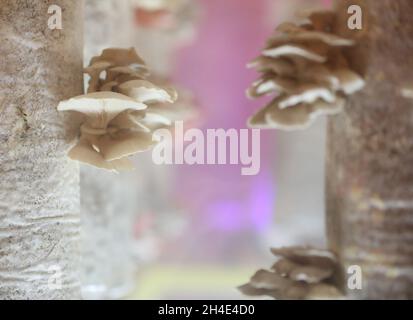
x: 300, y: 273
x: 298, y: 117
x: 146, y: 92
x: 117, y: 110
x: 102, y: 141
x: 304, y: 67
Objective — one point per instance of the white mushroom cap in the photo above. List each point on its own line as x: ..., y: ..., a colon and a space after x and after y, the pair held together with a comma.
x: 100, y: 107
x: 308, y: 93
x: 100, y: 102
x: 155, y: 119
x: 294, y: 50
x: 145, y: 92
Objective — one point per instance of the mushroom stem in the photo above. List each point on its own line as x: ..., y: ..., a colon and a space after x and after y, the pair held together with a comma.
x: 39, y: 185
x: 370, y: 155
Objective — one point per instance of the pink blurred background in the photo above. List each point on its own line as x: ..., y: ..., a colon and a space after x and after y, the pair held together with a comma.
x: 231, y: 220
x: 225, y: 209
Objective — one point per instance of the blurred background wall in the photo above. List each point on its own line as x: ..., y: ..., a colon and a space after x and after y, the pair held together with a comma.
x: 232, y: 220
x: 201, y: 230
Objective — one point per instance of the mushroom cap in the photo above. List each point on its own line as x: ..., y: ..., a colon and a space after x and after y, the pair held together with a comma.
x: 85, y: 152
x: 270, y: 83
x: 118, y: 57
x: 350, y: 82
x: 264, y: 279
x: 290, y: 119
x: 259, y: 120
x: 96, y: 103
x: 298, y: 117
x: 153, y: 119
x: 307, y: 256
x: 136, y: 73
x: 307, y: 93
x: 294, y: 33
x: 97, y: 67
x: 321, y: 20
x: 311, y: 274
x: 280, y: 66
x: 299, y: 50
x: 130, y: 119
x: 284, y: 267
x: 250, y: 290
x: 124, y: 143
x: 100, y: 107
x: 146, y: 92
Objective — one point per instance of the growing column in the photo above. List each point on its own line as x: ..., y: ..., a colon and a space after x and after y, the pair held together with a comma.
x: 39, y: 185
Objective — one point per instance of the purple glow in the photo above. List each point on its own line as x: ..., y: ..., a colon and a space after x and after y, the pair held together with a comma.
x: 218, y: 198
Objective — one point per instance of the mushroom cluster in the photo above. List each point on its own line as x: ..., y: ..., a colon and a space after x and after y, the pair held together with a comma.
x: 300, y: 273
x: 303, y: 65
x: 119, y: 110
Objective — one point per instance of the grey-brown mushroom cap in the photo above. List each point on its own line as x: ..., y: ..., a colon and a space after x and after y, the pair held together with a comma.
x: 264, y: 279
x: 307, y: 256
x: 293, y: 33
x: 119, y: 57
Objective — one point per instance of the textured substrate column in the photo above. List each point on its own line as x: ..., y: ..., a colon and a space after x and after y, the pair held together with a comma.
x: 370, y: 155
x: 39, y: 185
x: 109, y: 204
